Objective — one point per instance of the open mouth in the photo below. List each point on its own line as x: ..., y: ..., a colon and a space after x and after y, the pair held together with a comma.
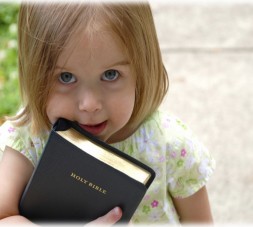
x: 95, y: 129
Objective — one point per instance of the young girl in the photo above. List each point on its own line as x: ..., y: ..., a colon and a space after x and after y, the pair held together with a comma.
x: 100, y: 65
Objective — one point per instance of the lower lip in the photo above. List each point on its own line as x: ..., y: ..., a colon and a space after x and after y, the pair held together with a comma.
x: 94, y: 129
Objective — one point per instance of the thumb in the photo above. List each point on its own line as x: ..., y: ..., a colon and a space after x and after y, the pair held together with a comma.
x: 108, y: 219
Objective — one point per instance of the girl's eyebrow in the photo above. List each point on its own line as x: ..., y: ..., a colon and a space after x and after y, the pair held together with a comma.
x: 119, y: 63
x: 59, y: 67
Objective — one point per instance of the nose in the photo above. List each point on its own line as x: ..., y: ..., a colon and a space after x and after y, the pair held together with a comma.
x: 90, y: 101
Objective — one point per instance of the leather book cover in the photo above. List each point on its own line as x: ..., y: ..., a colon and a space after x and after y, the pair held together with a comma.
x: 80, y: 178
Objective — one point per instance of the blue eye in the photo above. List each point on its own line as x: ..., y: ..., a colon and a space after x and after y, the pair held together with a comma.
x: 110, y: 75
x: 67, y: 78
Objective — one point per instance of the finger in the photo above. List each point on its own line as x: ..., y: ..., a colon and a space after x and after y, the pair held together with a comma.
x: 109, y: 219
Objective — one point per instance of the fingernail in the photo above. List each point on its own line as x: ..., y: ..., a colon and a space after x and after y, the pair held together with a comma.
x: 116, y: 211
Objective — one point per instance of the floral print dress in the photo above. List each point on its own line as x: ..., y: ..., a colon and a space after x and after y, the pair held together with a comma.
x: 163, y: 142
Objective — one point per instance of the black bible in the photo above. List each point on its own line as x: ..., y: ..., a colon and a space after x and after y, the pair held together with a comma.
x: 80, y: 178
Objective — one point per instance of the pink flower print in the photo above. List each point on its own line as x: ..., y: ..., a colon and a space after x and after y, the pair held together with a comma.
x: 173, y: 154
x: 162, y: 159
x: 11, y: 129
x: 146, y: 197
x: 183, y: 153
x: 146, y: 209
x: 154, y: 204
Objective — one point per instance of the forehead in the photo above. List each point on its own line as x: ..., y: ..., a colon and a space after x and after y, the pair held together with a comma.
x: 101, y: 47
x: 96, y: 36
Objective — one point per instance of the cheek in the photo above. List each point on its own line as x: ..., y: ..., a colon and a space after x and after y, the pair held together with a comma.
x: 130, y: 99
x: 123, y: 107
x: 57, y: 107
x: 51, y: 110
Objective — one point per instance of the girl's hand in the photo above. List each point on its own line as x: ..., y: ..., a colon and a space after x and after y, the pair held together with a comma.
x: 109, y: 219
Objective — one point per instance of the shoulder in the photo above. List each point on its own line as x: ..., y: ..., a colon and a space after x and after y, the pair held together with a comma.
x: 10, y: 134
x: 160, y: 128
x: 189, y: 164
x: 19, y: 138
x: 161, y: 132
x: 167, y: 126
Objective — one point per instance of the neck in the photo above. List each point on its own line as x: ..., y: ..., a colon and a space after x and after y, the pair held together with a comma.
x: 121, y: 135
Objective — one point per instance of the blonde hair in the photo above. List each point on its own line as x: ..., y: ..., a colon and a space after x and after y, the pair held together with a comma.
x: 44, y: 31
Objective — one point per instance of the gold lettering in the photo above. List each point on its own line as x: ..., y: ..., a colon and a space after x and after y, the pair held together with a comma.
x: 84, y: 181
x: 73, y: 175
x: 90, y: 184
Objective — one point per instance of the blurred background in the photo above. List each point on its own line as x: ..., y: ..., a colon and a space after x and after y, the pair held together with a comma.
x: 207, y: 48
x: 9, y: 94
